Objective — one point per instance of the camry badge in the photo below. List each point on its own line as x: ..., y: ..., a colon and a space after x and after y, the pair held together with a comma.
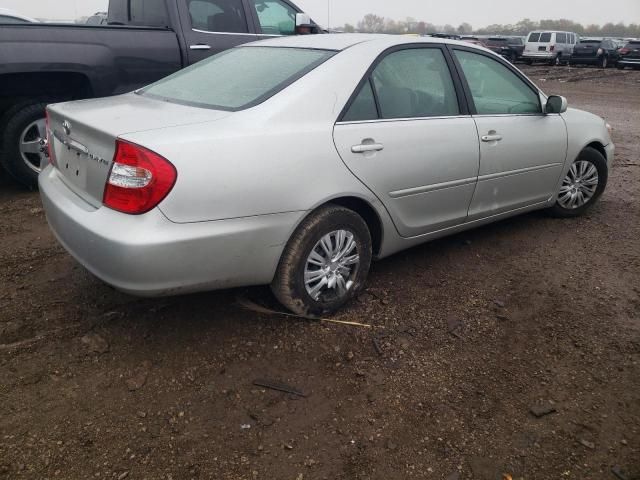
x: 66, y: 126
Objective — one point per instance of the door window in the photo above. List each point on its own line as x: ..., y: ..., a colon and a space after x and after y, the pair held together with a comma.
x: 411, y: 83
x: 150, y: 13
x: 276, y: 17
x: 496, y: 89
x: 561, y: 38
x: 218, y: 16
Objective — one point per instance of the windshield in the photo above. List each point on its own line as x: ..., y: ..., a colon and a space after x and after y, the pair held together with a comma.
x: 238, y: 78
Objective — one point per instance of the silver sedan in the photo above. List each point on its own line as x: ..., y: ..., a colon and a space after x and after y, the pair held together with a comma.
x: 296, y: 161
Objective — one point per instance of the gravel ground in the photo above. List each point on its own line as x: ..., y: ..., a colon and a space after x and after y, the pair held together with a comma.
x: 473, y: 334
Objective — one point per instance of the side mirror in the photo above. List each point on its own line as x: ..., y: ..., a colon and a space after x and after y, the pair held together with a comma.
x: 303, y: 20
x: 556, y: 104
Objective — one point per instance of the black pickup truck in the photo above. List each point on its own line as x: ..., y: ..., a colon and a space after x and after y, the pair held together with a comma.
x: 142, y: 41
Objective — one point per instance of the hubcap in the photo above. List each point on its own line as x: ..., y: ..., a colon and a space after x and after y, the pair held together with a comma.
x: 32, y: 144
x: 332, y: 265
x: 579, y: 186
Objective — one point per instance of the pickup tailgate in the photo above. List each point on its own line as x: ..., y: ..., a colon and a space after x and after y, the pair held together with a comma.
x: 83, y: 135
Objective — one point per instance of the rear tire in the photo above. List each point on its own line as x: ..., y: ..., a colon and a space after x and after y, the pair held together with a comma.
x: 20, y: 152
x: 587, y: 178
x: 312, y: 280
x: 620, y: 67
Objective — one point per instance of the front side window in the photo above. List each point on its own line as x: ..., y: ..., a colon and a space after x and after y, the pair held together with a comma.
x: 496, y: 89
x: 226, y: 16
x: 276, y: 17
x: 238, y: 78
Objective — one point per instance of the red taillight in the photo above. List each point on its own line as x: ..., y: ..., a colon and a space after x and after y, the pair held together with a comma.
x: 139, y: 179
x: 49, y: 139
x: 623, y: 51
x: 552, y: 48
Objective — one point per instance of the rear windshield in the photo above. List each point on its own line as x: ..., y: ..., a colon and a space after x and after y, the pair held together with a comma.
x: 238, y: 78
x: 534, y: 37
x: 492, y: 42
x: 545, y: 37
x: 594, y: 42
x: 632, y: 45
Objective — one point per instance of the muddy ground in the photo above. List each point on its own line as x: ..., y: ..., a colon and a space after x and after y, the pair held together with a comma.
x: 473, y: 332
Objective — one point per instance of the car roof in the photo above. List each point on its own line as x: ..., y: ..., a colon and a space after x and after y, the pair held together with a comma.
x: 342, y: 41
x: 11, y: 13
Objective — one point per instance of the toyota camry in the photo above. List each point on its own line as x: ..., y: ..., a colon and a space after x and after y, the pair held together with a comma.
x: 297, y: 161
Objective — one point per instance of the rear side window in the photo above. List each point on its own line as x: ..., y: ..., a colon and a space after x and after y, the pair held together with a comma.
x: 225, y: 16
x: 275, y: 17
x: 238, y: 78
x: 495, y: 89
x: 150, y: 13
x: 561, y: 38
x: 545, y: 37
x: 363, y: 107
x: 534, y: 37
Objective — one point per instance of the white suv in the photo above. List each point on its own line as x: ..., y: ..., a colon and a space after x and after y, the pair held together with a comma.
x: 554, y: 48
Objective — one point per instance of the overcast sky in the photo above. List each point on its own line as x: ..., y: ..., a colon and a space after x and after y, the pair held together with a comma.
x: 477, y: 12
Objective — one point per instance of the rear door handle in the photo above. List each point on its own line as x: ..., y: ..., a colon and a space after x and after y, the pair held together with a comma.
x: 492, y: 138
x: 367, y: 147
x: 200, y: 46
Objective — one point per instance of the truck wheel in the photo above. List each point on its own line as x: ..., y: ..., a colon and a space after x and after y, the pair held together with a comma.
x: 604, y: 63
x: 21, y: 150
x: 326, y: 262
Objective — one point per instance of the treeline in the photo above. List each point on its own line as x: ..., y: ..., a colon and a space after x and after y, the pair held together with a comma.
x: 372, y: 23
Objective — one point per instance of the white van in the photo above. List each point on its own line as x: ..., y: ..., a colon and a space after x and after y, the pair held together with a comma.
x: 555, y: 48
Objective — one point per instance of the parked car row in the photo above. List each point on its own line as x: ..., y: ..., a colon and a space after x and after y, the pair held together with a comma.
x: 560, y: 48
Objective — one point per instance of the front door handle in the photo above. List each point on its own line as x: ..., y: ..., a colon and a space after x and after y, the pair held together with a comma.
x: 492, y: 138
x: 367, y: 147
x: 200, y: 46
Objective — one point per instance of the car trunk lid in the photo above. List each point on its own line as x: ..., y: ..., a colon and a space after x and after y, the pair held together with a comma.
x: 83, y: 135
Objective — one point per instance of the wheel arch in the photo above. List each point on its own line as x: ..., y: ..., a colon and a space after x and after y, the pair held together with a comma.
x: 598, y: 146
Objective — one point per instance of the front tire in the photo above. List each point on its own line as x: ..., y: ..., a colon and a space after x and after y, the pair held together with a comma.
x: 326, y: 262
x: 604, y: 62
x: 21, y: 150
x: 583, y: 185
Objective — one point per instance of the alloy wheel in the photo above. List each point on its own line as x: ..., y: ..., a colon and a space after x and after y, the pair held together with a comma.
x: 579, y: 186
x: 331, y: 266
x: 32, y: 144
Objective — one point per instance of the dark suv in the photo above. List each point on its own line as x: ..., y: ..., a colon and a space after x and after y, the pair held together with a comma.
x: 510, y: 48
x: 629, y: 55
x: 600, y: 52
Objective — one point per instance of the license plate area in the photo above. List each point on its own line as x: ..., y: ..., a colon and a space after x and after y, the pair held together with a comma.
x: 72, y: 160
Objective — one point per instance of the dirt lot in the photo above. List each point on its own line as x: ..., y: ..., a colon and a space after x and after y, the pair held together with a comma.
x: 473, y: 332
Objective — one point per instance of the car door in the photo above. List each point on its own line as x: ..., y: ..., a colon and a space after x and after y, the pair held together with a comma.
x: 408, y: 137
x: 522, y: 150
x: 212, y: 26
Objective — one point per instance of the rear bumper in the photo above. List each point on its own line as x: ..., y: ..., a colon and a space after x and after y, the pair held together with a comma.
x: 539, y: 55
x: 148, y: 255
x: 585, y: 60
x: 631, y: 62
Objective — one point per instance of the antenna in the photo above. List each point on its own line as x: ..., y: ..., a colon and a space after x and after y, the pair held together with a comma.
x: 328, y: 14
